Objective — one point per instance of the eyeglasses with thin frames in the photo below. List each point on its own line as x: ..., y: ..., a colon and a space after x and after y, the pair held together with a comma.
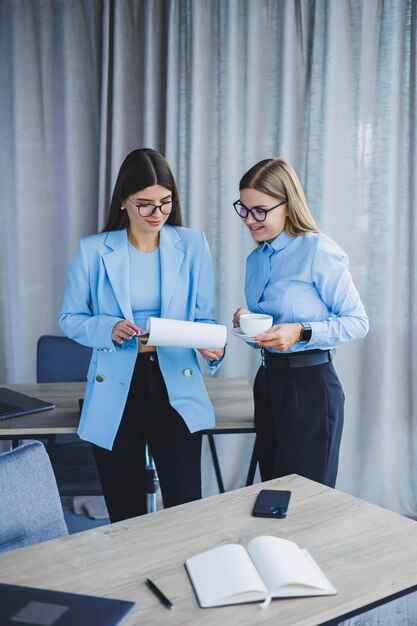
x: 257, y: 213
x: 146, y: 210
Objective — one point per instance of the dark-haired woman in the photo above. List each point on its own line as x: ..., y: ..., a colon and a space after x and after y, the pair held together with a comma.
x: 143, y: 264
x: 301, y: 278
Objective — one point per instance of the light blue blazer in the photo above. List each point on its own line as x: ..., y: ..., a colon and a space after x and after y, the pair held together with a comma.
x: 98, y: 296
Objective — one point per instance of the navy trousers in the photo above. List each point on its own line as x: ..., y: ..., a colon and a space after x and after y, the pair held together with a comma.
x: 149, y: 417
x: 299, y: 421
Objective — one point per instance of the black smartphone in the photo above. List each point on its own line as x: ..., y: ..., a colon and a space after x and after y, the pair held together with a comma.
x: 272, y: 503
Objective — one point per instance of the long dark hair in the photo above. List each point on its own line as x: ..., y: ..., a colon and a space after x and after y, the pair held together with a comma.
x: 141, y: 168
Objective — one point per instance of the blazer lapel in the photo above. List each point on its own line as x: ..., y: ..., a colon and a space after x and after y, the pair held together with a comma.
x: 117, y: 266
x: 172, y: 255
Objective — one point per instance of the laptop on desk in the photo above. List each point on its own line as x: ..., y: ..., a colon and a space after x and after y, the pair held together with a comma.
x: 13, y: 404
x: 43, y: 607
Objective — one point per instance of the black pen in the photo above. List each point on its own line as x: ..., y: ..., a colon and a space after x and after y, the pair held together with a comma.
x: 161, y: 597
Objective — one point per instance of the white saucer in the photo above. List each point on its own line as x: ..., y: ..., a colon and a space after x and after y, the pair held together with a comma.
x: 238, y: 333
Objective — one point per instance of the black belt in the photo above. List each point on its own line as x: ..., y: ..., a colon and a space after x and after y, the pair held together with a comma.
x: 296, y: 359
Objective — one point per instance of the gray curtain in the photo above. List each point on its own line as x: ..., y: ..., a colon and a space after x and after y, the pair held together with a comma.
x: 217, y: 85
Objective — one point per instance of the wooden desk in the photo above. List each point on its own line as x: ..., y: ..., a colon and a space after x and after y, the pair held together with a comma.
x: 368, y: 553
x: 231, y: 397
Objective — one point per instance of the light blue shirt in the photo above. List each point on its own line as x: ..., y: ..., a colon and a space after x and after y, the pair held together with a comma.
x: 306, y: 279
x: 145, y: 285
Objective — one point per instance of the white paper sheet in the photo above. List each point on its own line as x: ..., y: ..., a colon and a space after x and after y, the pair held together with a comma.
x: 181, y: 334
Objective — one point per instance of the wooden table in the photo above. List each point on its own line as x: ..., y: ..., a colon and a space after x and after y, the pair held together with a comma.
x: 231, y: 397
x: 368, y: 553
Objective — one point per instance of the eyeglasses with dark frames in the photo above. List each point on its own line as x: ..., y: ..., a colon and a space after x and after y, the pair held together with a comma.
x: 257, y: 213
x: 146, y: 210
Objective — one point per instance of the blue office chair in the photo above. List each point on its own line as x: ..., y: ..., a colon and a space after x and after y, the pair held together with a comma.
x: 60, y: 359
x: 30, y: 510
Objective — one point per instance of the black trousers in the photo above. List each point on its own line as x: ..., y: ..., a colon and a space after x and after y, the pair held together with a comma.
x: 299, y: 421
x: 149, y: 417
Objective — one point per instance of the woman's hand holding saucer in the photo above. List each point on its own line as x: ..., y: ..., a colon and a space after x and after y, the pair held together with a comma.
x: 279, y: 337
x: 236, y: 316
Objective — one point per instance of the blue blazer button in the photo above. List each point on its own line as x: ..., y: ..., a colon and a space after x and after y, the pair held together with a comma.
x: 99, y: 378
x: 188, y: 372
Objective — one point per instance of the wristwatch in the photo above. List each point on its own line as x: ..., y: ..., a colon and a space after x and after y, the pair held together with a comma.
x: 305, y: 334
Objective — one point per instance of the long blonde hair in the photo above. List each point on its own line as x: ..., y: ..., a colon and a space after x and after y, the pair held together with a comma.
x: 277, y: 178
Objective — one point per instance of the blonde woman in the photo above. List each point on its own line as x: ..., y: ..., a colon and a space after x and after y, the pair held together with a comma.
x: 301, y: 278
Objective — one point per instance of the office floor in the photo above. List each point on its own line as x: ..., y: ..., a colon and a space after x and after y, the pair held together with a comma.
x: 77, y: 523
x: 82, y: 513
x: 79, y: 518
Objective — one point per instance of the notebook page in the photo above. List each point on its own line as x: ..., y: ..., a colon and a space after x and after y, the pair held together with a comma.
x: 225, y: 575
x: 283, y: 565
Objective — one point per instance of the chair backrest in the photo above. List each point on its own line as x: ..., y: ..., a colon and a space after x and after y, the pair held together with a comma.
x: 30, y: 507
x: 60, y: 359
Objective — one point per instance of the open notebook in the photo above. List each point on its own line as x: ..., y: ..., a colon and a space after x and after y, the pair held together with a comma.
x: 43, y: 607
x: 270, y: 567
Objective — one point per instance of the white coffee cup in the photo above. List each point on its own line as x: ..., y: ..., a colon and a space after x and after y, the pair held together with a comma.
x: 255, y: 323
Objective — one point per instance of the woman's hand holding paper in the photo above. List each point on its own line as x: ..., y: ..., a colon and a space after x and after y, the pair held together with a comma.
x: 125, y: 330
x: 211, y: 355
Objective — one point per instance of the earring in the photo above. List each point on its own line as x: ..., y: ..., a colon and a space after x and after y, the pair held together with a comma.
x: 122, y: 208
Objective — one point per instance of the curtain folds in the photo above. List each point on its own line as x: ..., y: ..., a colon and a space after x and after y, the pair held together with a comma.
x: 217, y: 86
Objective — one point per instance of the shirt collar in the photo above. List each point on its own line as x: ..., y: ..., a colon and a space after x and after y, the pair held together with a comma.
x: 278, y: 243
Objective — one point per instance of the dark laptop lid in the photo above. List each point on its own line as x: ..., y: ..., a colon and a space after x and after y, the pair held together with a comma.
x: 43, y: 607
x: 13, y: 404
